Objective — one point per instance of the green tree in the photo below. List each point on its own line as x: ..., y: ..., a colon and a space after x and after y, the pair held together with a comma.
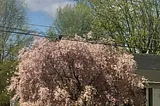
x: 72, y: 20
x: 12, y: 17
x: 134, y: 23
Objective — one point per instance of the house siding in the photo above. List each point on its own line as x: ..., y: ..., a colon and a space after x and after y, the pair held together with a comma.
x: 149, y: 67
x: 156, y: 97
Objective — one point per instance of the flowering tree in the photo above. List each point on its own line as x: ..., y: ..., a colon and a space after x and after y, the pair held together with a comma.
x: 73, y: 73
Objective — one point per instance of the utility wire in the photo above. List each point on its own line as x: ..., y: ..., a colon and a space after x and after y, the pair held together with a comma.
x: 25, y: 33
x: 53, y: 27
x: 82, y: 32
x: 41, y: 25
x: 13, y: 28
x: 93, y: 42
x: 17, y: 29
x: 34, y: 33
x: 25, y: 30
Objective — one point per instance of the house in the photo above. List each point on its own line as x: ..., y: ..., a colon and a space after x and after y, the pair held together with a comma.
x: 149, y: 67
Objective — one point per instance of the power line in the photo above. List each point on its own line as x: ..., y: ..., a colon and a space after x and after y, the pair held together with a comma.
x: 41, y: 25
x: 14, y: 28
x: 53, y: 27
x: 92, y: 42
x: 26, y: 30
x: 25, y: 33
x: 18, y: 29
x: 34, y: 33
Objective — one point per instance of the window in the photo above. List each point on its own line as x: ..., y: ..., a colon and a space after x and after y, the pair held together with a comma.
x: 150, y: 96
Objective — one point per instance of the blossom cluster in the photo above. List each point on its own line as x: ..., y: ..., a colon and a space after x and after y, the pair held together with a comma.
x: 73, y: 73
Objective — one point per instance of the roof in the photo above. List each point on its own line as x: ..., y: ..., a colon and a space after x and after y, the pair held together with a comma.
x: 147, y: 62
x: 148, y: 66
x: 151, y: 75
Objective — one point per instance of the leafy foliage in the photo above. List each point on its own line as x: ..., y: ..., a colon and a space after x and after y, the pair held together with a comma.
x: 12, y: 16
x: 134, y: 23
x: 72, y: 20
x: 73, y: 73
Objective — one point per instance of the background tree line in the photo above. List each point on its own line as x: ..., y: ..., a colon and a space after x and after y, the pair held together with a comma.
x: 12, y: 17
x: 134, y: 24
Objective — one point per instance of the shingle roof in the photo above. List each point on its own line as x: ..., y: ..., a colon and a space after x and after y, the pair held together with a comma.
x: 147, y: 62
x: 148, y: 66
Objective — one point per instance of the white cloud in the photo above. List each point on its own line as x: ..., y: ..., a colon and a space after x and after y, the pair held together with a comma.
x: 48, y: 6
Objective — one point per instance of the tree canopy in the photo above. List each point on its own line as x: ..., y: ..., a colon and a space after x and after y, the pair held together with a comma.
x: 133, y: 23
x: 69, y: 73
x: 12, y: 18
x: 71, y: 20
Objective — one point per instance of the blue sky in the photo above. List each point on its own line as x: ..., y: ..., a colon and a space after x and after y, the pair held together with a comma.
x: 40, y: 18
x: 43, y: 11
